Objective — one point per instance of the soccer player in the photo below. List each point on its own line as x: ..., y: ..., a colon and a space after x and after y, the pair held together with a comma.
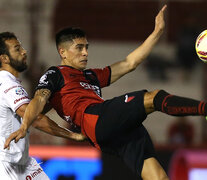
x: 113, y: 126
x: 15, y: 163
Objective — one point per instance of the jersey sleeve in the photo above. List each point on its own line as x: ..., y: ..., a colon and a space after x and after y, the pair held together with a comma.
x: 52, y: 79
x: 15, y: 96
x: 103, y: 75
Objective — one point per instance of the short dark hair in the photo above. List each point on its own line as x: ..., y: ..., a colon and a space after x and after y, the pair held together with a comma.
x: 68, y: 34
x: 3, y: 47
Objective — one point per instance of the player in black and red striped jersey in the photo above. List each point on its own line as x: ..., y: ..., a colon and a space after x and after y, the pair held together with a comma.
x: 76, y: 88
x: 113, y: 126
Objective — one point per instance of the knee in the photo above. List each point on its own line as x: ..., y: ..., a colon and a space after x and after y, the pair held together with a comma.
x: 149, y: 100
x: 153, y: 170
x: 152, y: 94
x: 155, y: 92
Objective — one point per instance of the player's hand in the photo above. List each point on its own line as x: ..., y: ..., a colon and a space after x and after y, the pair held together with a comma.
x: 159, y: 20
x: 16, y: 136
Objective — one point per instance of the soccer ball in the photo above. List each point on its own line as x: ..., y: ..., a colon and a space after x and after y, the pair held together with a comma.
x: 201, y: 46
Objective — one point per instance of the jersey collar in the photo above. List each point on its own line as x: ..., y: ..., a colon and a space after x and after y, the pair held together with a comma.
x: 10, y: 75
x: 70, y: 67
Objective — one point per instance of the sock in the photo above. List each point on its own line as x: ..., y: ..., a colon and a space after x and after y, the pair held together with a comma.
x: 178, y: 106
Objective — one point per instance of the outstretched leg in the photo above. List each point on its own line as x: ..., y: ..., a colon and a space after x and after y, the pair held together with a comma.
x: 178, y: 106
x: 160, y: 100
x: 153, y: 170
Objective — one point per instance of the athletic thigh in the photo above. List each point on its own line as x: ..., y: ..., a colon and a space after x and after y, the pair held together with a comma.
x: 137, y: 147
x: 120, y: 115
x: 132, y: 147
x: 153, y: 170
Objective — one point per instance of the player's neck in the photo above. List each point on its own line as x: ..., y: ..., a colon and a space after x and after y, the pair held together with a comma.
x: 65, y: 63
x: 11, y: 70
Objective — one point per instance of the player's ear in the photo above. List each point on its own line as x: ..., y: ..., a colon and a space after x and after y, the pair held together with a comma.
x: 4, y: 59
x: 62, y: 52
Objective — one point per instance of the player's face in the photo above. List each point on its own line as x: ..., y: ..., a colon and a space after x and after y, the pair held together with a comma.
x: 76, y: 53
x: 17, y: 55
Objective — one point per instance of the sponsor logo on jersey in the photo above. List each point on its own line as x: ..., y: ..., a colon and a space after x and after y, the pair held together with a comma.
x: 95, y: 88
x: 20, y: 91
x: 29, y: 178
x: 7, y: 90
x: 128, y: 99
x: 42, y: 80
x: 22, y: 98
x: 34, y: 174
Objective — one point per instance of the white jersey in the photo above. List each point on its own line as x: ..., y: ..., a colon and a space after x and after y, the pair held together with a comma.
x: 12, y: 96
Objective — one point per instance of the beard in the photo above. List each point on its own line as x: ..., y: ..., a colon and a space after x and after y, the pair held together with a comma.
x: 19, y: 66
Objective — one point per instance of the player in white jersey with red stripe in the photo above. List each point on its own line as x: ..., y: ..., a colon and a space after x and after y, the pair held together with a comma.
x: 15, y: 163
x: 13, y: 96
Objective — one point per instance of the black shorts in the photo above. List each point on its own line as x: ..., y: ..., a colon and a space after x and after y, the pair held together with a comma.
x: 119, y: 129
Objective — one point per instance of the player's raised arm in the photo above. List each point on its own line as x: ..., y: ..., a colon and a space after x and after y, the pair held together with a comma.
x: 138, y: 55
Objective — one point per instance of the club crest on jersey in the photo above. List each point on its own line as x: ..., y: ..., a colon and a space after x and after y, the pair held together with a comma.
x: 20, y: 91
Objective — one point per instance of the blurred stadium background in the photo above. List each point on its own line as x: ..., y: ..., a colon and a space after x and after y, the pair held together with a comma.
x: 115, y: 28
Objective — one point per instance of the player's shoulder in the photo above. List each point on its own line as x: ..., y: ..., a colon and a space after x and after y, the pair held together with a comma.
x: 7, y: 79
x: 5, y: 75
x: 50, y: 72
x: 99, y: 68
x: 51, y: 76
x: 8, y: 82
x: 52, y: 69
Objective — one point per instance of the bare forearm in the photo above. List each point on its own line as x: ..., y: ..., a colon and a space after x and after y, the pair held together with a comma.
x: 123, y: 67
x: 140, y: 54
x: 34, y: 108
x: 47, y: 125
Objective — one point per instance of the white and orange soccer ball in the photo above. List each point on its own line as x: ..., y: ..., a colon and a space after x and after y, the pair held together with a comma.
x: 201, y: 46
